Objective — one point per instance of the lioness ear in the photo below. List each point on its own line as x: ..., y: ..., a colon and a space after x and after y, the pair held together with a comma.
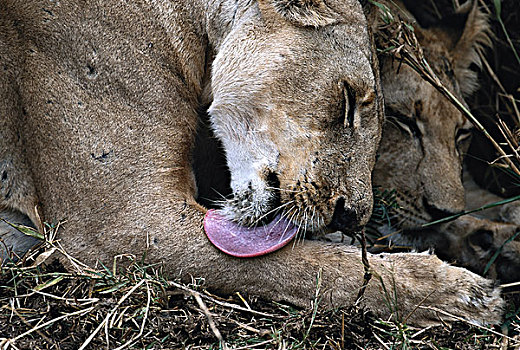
x: 310, y: 13
x: 474, y: 38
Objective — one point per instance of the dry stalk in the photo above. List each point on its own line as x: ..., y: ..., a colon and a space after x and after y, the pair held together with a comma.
x: 10, y: 342
x: 105, y: 320
x: 31, y: 326
x: 222, y: 303
x: 251, y: 346
x: 487, y: 329
x: 145, y: 317
x: 366, y: 266
x: 211, y: 322
x: 381, y: 341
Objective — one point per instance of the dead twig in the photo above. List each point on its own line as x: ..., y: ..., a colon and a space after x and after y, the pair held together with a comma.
x: 366, y: 266
x: 222, y: 303
x: 211, y: 322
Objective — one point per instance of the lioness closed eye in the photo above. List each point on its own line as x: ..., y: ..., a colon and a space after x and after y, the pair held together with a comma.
x: 99, y: 103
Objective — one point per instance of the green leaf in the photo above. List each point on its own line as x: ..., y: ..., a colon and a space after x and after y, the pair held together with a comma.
x: 484, y: 207
x: 111, y: 289
x: 386, y: 15
x: 410, y: 27
x: 48, y: 284
x: 498, y: 7
x: 26, y: 230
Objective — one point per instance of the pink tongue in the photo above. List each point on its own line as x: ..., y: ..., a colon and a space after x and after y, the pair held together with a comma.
x: 246, y: 242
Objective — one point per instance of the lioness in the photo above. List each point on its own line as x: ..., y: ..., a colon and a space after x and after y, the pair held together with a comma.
x: 99, y: 109
x: 422, y: 147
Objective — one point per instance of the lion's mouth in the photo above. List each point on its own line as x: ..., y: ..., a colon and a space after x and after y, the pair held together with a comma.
x: 244, y: 242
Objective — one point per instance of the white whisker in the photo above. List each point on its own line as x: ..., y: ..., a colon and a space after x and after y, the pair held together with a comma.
x: 273, y: 210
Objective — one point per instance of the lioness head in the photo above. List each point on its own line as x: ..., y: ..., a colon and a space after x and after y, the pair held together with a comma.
x: 425, y: 136
x: 297, y: 109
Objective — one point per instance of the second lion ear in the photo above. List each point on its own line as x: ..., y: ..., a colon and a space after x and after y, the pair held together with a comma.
x: 474, y: 38
x: 468, y: 34
x: 308, y: 13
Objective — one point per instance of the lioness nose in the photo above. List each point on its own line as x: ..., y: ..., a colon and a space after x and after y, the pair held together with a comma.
x: 344, y: 218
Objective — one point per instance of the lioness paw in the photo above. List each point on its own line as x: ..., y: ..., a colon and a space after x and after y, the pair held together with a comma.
x: 429, y: 291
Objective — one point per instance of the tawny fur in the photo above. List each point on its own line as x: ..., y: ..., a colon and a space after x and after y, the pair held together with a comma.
x: 424, y: 165
x: 425, y: 136
x: 98, y: 106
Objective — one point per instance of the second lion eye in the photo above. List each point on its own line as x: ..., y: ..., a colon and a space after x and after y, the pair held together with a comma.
x: 463, y: 135
x: 463, y: 140
x: 406, y: 124
x: 348, y: 109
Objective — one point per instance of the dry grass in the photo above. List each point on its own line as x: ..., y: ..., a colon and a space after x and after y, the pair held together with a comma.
x: 496, y: 104
x: 132, y: 306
